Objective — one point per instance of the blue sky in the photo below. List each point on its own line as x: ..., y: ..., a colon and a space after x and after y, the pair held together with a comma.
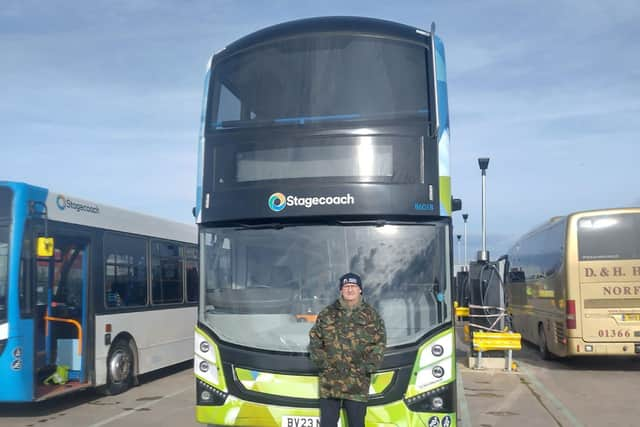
x: 101, y: 99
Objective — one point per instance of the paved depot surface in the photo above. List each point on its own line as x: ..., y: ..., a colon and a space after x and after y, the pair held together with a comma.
x: 497, y: 398
x: 162, y: 399
x: 575, y: 393
x: 579, y: 392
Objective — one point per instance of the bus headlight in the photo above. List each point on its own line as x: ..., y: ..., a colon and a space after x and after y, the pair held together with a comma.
x: 437, y: 402
x: 433, y: 378
x: 208, y: 395
x: 206, y: 362
x: 437, y: 350
x: 434, y: 351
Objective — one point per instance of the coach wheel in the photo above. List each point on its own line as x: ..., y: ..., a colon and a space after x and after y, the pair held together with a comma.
x: 542, y: 344
x: 119, y: 368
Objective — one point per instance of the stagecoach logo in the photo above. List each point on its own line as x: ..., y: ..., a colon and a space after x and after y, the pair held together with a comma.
x: 278, y: 201
x: 64, y: 203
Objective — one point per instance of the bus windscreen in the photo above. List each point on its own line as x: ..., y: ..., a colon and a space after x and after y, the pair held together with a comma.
x: 320, y: 78
x: 609, y: 237
x: 264, y: 287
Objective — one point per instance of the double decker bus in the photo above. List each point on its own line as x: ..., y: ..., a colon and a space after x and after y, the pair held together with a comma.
x: 574, y: 284
x: 90, y: 295
x: 324, y: 149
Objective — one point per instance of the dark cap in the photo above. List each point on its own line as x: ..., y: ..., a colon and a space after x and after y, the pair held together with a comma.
x: 351, y: 279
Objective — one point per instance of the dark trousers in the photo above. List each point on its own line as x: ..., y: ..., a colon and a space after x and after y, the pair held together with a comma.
x: 330, y: 411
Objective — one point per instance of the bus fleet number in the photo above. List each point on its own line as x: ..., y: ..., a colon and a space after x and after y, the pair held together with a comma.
x: 614, y: 333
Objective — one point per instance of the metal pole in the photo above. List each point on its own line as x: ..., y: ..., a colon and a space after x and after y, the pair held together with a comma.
x: 466, y: 260
x: 484, y: 210
x: 459, y: 260
x: 483, y: 255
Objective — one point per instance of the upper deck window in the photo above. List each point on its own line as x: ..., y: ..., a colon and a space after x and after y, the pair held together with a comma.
x: 362, y: 160
x: 5, y: 204
x: 609, y: 237
x: 319, y: 78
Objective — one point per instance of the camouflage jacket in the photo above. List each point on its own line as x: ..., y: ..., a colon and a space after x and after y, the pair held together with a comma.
x: 347, y: 346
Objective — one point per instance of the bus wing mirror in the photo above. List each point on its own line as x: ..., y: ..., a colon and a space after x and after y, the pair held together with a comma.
x: 456, y: 204
x: 44, y: 247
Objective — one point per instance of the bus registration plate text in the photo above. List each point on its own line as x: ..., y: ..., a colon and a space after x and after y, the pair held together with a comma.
x: 296, y: 421
x: 632, y: 317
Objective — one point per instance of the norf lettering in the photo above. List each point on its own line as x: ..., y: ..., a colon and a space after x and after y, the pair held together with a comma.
x: 620, y: 290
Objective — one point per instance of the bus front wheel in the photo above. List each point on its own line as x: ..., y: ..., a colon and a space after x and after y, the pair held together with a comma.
x: 119, y: 368
x: 542, y: 344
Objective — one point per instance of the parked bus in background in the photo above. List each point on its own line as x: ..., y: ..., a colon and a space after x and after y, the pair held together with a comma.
x: 90, y: 295
x: 574, y: 284
x: 324, y: 150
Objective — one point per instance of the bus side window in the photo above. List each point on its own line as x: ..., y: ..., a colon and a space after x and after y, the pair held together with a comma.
x: 125, y: 271
x: 166, y: 273
x: 517, y: 287
x: 192, y: 279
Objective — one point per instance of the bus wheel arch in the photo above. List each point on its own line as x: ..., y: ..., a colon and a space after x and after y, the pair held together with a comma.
x: 122, y: 365
x: 543, y: 348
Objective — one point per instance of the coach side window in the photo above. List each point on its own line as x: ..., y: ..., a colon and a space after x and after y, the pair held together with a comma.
x: 191, y: 268
x: 125, y: 271
x: 166, y: 272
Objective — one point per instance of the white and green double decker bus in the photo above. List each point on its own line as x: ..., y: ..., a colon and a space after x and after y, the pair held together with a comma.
x: 324, y: 149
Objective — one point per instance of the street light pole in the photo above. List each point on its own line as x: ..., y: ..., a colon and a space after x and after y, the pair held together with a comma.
x: 483, y: 162
x: 459, y: 236
x: 465, y: 216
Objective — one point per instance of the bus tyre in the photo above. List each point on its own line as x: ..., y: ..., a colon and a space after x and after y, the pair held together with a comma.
x: 545, y: 354
x: 119, y: 368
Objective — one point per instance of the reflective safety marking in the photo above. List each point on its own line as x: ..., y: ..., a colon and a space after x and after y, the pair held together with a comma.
x: 4, y: 331
x: 485, y: 341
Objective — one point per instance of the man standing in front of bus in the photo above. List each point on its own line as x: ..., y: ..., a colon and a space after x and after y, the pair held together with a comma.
x: 347, y: 345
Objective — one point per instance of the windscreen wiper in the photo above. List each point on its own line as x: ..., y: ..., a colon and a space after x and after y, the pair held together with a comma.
x: 381, y: 222
x: 439, y: 296
x: 266, y: 226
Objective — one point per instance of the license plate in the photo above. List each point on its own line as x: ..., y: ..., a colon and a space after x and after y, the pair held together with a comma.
x: 297, y: 421
x: 635, y: 317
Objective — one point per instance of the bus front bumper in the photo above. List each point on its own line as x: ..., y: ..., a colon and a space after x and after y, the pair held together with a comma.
x: 236, y: 412
x: 580, y: 347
